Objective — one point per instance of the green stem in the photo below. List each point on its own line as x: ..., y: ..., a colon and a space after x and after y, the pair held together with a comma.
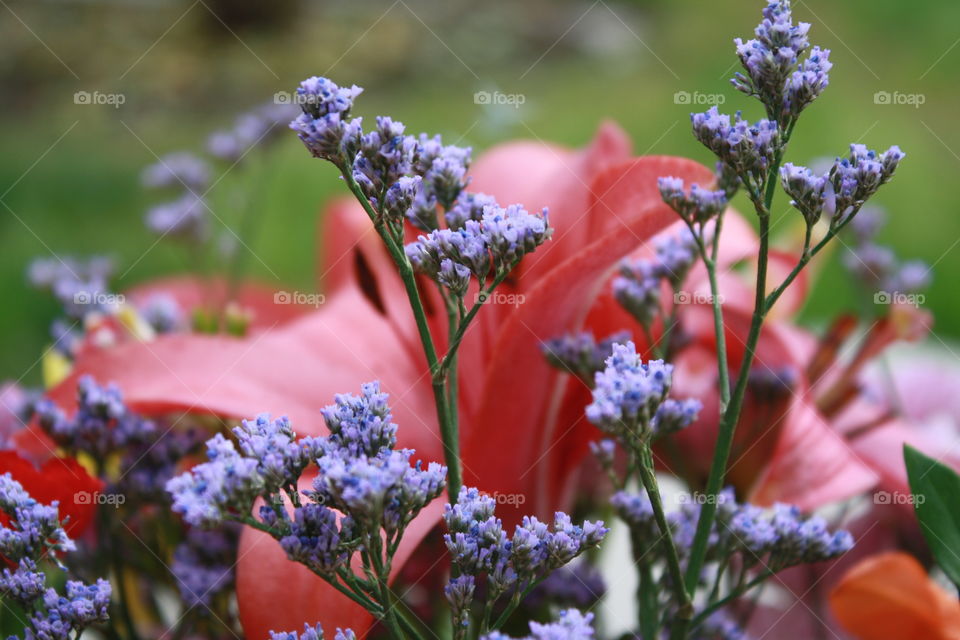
x: 448, y: 431
x: 807, y: 255
x: 647, y: 597
x: 649, y: 479
x: 515, y: 601
x: 730, y: 597
x: 729, y: 417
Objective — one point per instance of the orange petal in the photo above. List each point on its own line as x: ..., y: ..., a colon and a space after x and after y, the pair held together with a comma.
x: 889, y: 597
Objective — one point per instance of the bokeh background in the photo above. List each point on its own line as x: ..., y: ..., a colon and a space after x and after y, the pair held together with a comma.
x: 69, y: 173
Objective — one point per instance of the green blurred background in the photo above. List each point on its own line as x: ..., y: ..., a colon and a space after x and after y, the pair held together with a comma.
x: 69, y: 174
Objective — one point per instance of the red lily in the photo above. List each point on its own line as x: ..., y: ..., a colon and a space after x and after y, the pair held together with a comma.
x: 522, y: 431
x: 522, y: 425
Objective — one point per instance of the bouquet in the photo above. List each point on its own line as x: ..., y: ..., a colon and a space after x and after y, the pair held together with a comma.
x: 532, y: 382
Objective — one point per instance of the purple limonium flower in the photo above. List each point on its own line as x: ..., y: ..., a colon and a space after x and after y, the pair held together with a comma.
x: 459, y: 593
x: 774, y: 72
x: 384, y: 156
x: 748, y: 149
x: 512, y: 232
x: 280, y: 457
x: 46, y: 273
x: 604, y: 450
x: 254, y: 128
x: 163, y: 313
x: 382, y: 491
x: 33, y: 532
x: 101, y: 424
x: 79, y: 285
x: 628, y: 393
x: 203, y: 564
x: 465, y: 246
x: 400, y: 198
x: 807, y: 82
x: 674, y: 415
x: 855, y: 178
x: 146, y: 466
x: 25, y: 584
x: 877, y: 266
x: 580, y: 353
x: 579, y: 585
x: 637, y: 290
x: 314, y: 540
x: 571, y: 624
x: 312, y: 633
x: 676, y: 255
x: 360, y: 425
x: 180, y: 169
x: 324, y: 126
x: 807, y: 190
x: 34, y: 529
x: 443, y: 168
x: 468, y: 206
x: 479, y: 544
x: 699, y: 205
x: 867, y: 224
x: 225, y: 486
x: 184, y: 218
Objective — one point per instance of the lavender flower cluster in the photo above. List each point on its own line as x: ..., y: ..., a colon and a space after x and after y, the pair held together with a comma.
x: 479, y: 546
x: 496, y: 242
x: 312, y: 633
x: 630, y: 398
x: 876, y: 265
x: 571, y: 624
x: 404, y: 177
x: 76, y: 284
x: 102, y: 423
x: 580, y: 353
x: 747, y: 149
x: 82, y: 288
x: 786, y: 82
x: 844, y: 188
x: 696, y: 206
x: 203, y: 564
x: 638, y: 287
x: 33, y: 533
x: 360, y: 474
x: 187, y: 217
x: 774, y: 71
x: 777, y: 538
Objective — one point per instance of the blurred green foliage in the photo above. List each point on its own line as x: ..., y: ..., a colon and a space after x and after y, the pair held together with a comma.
x: 69, y: 173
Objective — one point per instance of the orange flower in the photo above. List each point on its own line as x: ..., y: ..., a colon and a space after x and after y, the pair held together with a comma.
x: 890, y: 597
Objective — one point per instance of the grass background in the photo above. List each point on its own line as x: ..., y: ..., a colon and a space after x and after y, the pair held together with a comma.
x: 69, y: 173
